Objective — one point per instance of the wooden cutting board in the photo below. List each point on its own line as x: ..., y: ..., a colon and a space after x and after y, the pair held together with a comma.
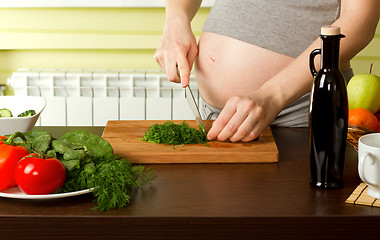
x: 124, y: 136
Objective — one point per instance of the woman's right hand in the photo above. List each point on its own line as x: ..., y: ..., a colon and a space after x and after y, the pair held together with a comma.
x: 177, y: 51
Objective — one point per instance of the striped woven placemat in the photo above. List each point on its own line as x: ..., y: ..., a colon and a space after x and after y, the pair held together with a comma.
x: 360, y: 197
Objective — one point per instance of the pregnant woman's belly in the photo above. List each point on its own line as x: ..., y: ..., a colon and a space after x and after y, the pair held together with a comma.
x: 227, y: 67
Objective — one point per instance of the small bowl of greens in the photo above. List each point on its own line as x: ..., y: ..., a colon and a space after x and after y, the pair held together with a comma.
x: 19, y: 113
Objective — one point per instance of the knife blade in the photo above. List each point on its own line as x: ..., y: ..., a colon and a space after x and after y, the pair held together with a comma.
x: 193, y: 106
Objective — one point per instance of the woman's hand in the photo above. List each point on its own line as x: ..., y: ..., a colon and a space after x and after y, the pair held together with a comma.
x: 243, y: 118
x: 177, y: 51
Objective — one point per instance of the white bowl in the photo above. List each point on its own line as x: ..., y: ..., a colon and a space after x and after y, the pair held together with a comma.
x: 17, y: 105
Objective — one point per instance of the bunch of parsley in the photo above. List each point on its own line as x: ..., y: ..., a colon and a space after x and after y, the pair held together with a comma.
x: 91, y: 164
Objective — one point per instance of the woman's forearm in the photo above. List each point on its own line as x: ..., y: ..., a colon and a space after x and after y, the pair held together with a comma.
x: 358, y: 23
x: 182, y: 8
x: 178, y: 49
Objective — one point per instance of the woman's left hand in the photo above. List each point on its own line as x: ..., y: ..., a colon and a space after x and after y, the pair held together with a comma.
x: 243, y: 118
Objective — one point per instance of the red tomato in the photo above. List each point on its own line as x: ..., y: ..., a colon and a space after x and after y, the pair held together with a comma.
x: 9, y: 156
x: 37, y: 176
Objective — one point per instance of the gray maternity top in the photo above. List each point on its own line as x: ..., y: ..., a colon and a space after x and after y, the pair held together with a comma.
x: 283, y: 26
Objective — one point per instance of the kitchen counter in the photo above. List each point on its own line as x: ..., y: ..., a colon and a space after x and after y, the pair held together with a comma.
x: 208, y: 201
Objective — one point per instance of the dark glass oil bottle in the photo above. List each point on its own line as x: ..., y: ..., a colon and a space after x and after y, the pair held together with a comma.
x: 328, y: 114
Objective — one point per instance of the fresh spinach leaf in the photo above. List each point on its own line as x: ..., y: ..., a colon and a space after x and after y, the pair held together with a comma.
x: 68, y: 152
x: 71, y: 165
x: 96, y: 146
x: 38, y: 140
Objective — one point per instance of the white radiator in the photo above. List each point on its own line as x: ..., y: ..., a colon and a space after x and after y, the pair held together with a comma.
x: 92, y: 97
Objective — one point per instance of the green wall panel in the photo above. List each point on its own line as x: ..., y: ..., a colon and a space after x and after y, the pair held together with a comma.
x: 100, y: 38
x: 91, y: 38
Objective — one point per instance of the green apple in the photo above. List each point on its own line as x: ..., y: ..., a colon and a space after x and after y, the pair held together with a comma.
x: 364, y: 92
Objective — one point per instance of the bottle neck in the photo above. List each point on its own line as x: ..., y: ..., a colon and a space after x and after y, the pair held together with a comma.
x: 330, y: 52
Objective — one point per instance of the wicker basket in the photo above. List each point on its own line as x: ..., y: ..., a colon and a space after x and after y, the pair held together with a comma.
x: 354, y: 133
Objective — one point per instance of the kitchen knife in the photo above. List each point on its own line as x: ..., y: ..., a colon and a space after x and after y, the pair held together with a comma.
x: 193, y: 106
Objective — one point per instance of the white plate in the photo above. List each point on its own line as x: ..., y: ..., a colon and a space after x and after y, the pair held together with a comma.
x: 15, y: 192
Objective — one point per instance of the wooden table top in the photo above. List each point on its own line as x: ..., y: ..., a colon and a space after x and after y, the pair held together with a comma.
x: 208, y: 201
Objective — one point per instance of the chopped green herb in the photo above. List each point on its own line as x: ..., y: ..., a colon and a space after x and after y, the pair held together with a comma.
x: 175, y: 134
x: 27, y: 113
